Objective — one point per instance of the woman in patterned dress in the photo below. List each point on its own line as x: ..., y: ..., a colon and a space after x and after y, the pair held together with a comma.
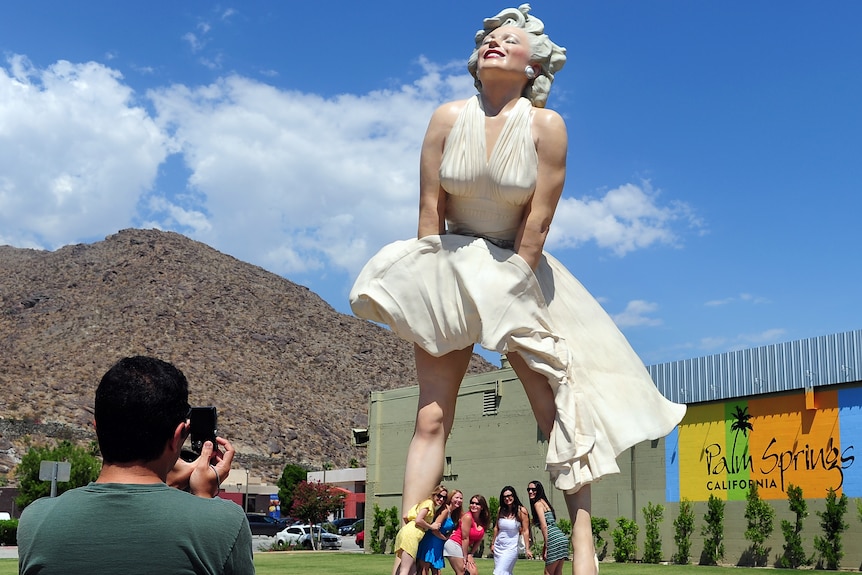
x: 555, y: 548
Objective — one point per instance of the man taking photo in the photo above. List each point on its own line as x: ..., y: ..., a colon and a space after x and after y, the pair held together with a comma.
x: 136, y: 517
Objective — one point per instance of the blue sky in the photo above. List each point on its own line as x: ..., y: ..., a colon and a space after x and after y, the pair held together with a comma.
x: 713, y: 188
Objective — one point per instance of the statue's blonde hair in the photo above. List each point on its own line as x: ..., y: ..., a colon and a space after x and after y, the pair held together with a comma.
x: 550, y: 57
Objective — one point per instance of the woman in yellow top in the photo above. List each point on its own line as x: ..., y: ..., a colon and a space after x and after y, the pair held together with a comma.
x: 415, y: 526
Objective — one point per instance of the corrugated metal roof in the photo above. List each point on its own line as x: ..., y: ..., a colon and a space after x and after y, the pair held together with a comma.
x: 816, y: 361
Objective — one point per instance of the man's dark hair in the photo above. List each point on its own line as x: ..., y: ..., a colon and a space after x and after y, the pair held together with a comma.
x: 139, y: 403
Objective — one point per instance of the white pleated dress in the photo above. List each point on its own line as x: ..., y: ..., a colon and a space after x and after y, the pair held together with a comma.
x: 468, y: 286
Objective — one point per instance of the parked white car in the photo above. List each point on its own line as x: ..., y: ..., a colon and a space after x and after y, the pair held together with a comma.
x: 300, y: 536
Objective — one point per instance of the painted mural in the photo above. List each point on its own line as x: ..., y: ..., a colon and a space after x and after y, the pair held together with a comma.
x: 811, y: 440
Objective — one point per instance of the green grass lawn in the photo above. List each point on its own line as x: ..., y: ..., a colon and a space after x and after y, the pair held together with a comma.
x: 330, y: 563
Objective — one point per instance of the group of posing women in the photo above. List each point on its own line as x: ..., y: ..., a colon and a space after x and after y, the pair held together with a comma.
x: 439, y: 528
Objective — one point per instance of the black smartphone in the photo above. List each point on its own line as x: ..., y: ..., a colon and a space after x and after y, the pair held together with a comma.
x: 204, y: 427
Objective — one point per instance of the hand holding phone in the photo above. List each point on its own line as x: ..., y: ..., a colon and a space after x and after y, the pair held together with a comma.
x: 204, y: 427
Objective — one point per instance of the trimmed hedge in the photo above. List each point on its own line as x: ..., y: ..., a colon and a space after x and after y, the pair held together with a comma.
x: 9, y: 532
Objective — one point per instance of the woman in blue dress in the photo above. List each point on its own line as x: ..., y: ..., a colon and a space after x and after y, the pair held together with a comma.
x: 447, y: 515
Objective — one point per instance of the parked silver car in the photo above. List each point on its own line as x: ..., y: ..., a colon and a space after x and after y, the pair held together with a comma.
x: 300, y: 536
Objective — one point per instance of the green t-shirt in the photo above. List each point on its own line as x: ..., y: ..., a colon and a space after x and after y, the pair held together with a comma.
x: 116, y: 528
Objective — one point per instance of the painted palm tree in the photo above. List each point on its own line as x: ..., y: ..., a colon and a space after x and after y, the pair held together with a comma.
x: 741, y: 423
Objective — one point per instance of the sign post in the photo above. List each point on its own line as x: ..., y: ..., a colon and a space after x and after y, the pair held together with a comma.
x: 55, y: 471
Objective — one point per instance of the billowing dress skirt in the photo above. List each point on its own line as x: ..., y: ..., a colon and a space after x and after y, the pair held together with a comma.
x: 447, y: 292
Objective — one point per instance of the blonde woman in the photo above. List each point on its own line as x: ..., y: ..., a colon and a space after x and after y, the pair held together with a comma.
x: 430, y: 558
x: 411, y: 533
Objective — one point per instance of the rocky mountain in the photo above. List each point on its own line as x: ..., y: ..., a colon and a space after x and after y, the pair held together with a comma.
x: 290, y: 375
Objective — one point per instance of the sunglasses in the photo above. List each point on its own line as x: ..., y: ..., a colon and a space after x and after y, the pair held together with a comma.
x: 508, y: 495
x: 531, y: 489
x: 474, y: 503
x: 440, y: 496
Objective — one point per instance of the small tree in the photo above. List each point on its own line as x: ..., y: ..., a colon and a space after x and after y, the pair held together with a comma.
x: 566, y: 527
x: 393, y: 524
x: 832, y: 522
x: 290, y: 476
x: 684, y: 528
x: 625, y: 540
x: 85, y: 467
x: 713, y: 532
x: 493, y: 509
x: 761, y: 517
x: 374, y: 533
x: 794, y: 555
x: 313, y: 502
x: 653, y: 515
x: 599, y: 525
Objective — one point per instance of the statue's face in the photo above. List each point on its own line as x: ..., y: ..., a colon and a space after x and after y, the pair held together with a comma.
x: 505, y: 49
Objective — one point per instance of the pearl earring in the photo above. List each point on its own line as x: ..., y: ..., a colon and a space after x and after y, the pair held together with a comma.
x: 530, y: 72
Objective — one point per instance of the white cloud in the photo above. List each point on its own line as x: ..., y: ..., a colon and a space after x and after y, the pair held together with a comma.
x: 743, y: 297
x: 192, y: 40
x: 625, y: 219
x: 294, y: 181
x: 765, y: 337
x: 721, y: 344
x: 291, y: 181
x: 77, y: 152
x: 177, y: 217
x: 636, y: 314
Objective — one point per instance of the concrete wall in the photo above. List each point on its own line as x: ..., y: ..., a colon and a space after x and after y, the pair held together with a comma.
x: 484, y: 452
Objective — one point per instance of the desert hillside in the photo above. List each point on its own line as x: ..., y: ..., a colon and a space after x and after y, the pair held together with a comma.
x: 290, y: 375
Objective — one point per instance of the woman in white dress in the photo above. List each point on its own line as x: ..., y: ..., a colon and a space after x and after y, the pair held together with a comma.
x: 492, y: 169
x: 513, y: 522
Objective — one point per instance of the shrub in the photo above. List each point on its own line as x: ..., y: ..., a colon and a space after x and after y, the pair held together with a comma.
x: 493, y: 509
x: 566, y: 527
x: 684, y: 528
x: 9, y: 532
x: 625, y: 540
x: 598, y: 525
x: 652, y: 547
x: 393, y: 524
x: 536, y: 544
x: 85, y: 467
x: 761, y: 517
x: 291, y: 475
x: 713, y: 532
x: 794, y: 554
x: 276, y: 546
x: 832, y: 522
x: 374, y: 533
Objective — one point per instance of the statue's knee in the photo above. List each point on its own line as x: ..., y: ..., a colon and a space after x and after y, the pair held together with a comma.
x: 429, y: 423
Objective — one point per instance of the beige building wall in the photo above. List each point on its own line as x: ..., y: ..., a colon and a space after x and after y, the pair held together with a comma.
x: 491, y: 445
x: 497, y: 443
